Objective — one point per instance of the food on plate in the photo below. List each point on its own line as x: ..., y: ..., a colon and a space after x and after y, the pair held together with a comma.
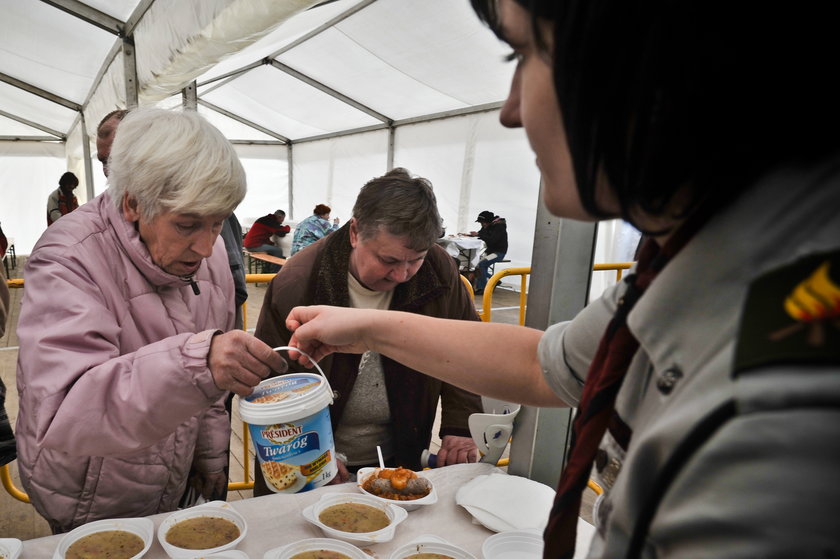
x: 202, y: 532
x: 109, y: 544
x: 428, y: 556
x: 320, y: 554
x: 280, y: 474
x: 398, y: 484
x: 355, y: 518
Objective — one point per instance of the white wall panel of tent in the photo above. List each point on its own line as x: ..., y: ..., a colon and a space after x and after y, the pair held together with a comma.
x: 344, y: 88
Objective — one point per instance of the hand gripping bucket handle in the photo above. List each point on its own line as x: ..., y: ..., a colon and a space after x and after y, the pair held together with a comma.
x: 288, y: 348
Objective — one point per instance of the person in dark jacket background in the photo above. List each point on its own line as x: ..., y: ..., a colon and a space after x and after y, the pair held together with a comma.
x: 494, y: 234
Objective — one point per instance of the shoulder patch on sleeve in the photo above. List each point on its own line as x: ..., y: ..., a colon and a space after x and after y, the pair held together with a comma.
x: 792, y: 315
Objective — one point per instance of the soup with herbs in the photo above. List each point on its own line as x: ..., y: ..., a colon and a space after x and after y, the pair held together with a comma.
x: 202, y: 532
x: 109, y: 544
x: 320, y: 554
x: 354, y: 517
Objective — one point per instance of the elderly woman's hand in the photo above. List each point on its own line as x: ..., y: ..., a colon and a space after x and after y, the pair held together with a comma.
x: 238, y: 361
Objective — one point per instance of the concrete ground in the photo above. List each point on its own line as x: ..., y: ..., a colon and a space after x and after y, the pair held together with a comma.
x: 19, y: 520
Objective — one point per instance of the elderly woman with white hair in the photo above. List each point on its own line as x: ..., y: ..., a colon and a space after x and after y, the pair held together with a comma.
x: 126, y: 348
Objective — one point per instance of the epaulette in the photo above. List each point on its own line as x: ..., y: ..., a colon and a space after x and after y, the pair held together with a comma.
x: 792, y: 315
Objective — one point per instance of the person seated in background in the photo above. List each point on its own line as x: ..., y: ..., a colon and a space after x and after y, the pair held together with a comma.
x: 127, y: 351
x: 259, y: 236
x: 385, y: 257
x: 494, y: 234
x: 316, y: 226
x: 62, y: 201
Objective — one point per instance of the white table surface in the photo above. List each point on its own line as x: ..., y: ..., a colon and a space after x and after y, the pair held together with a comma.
x: 276, y: 520
x: 454, y: 245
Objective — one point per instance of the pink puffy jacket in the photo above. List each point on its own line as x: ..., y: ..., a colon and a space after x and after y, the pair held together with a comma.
x: 116, y: 399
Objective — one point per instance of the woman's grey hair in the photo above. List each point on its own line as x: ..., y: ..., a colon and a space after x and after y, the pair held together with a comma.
x: 174, y: 161
x: 401, y: 205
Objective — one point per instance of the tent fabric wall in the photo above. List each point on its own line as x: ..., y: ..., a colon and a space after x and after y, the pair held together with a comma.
x: 331, y: 172
x: 267, y: 173
x: 28, y: 174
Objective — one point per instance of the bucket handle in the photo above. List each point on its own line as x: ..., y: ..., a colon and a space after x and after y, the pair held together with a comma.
x: 320, y: 370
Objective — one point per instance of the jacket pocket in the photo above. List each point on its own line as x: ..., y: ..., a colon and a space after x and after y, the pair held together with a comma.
x: 128, y: 488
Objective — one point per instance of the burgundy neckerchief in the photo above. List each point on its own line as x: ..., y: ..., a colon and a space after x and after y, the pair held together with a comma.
x: 606, y: 374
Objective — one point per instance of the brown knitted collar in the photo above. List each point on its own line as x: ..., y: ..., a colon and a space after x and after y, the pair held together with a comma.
x: 332, y: 266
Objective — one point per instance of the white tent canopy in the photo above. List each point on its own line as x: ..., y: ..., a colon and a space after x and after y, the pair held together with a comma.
x: 318, y: 98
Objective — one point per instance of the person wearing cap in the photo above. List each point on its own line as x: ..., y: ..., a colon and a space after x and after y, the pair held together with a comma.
x: 494, y: 234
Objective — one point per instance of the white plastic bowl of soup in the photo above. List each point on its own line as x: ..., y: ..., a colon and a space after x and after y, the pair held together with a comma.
x: 430, y: 547
x: 201, y: 530
x: 120, y: 538
x: 317, y: 548
x: 355, y: 518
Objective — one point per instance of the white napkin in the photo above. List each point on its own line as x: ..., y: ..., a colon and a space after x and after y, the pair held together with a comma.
x: 503, y: 502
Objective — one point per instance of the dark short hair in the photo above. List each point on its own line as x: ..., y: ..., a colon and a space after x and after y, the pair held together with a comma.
x: 68, y: 179
x: 401, y: 205
x: 321, y: 209
x: 281, y: 212
x: 656, y: 96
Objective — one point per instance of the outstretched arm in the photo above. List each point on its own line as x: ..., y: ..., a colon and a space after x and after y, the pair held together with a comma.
x: 450, y: 350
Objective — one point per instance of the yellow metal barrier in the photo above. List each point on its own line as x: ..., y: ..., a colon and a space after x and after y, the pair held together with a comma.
x: 9, y: 485
x: 487, y: 300
x: 247, y: 483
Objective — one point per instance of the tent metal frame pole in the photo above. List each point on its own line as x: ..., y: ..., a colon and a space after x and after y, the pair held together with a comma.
x: 189, y: 99
x: 323, y: 27
x: 30, y: 139
x: 392, y: 132
x: 241, y: 120
x: 86, y: 157
x: 233, y: 74
x: 130, y: 72
x: 416, y: 120
x: 290, y: 165
x: 88, y: 14
x: 331, y: 92
x: 29, y: 88
x: 561, y: 273
x: 258, y: 142
x: 58, y: 135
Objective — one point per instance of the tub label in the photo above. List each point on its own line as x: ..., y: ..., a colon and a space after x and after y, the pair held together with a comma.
x: 297, y: 455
